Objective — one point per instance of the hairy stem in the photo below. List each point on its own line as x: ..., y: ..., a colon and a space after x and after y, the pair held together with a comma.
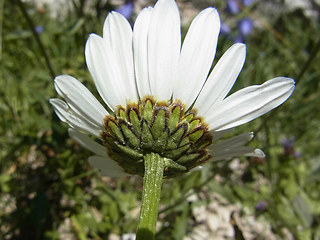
x: 152, y: 182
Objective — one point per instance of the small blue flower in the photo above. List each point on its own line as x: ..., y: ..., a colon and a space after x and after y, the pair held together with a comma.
x: 261, y: 206
x: 39, y: 29
x: 225, y: 29
x: 232, y: 6
x: 288, y: 142
x: 245, y: 26
x: 126, y: 9
x: 288, y: 147
x: 247, y: 2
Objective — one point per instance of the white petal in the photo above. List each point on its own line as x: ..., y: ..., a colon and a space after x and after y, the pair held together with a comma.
x: 73, y: 119
x: 197, y: 53
x: 233, y: 142
x: 164, y: 40
x: 117, y: 35
x: 87, y: 142
x: 222, y: 78
x: 107, y: 166
x: 249, y: 103
x: 219, y: 134
x: 80, y: 99
x: 234, y: 152
x: 59, y: 107
x: 140, y: 40
x: 105, y: 72
x: 232, y: 147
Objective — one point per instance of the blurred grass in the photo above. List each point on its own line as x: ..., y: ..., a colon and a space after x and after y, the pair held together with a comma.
x: 48, y: 190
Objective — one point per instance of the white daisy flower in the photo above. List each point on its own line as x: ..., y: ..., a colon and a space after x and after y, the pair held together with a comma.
x: 161, y: 95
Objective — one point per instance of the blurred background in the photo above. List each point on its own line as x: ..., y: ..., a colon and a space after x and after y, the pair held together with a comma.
x: 47, y: 188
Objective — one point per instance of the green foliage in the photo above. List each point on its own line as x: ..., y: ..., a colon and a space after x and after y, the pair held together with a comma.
x: 49, y: 191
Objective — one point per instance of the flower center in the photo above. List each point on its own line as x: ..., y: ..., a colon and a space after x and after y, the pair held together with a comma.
x: 164, y: 128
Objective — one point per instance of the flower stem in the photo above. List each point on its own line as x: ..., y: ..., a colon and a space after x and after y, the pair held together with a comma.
x: 152, y: 182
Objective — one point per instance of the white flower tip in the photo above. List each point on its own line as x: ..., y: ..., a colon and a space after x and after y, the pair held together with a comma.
x: 107, y: 20
x: 293, y: 85
x: 247, y: 136
x: 292, y: 82
x: 146, y: 9
x: 214, y: 16
x: 91, y: 41
x: 55, y: 101
x: 288, y: 82
x: 211, y: 15
x: 212, y: 11
x: 241, y: 46
x: 94, y: 36
x: 56, y: 78
x: 113, y: 16
x: 59, y: 79
x: 90, y: 35
x: 164, y: 4
x: 114, y: 13
x: 251, y: 135
x: 257, y: 153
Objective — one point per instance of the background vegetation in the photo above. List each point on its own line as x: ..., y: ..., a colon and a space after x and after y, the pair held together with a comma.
x: 47, y: 188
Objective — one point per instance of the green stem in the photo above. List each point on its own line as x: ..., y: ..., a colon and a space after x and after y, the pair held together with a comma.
x: 152, y: 182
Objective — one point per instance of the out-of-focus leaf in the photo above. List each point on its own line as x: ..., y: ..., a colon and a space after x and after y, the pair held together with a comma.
x: 302, y: 209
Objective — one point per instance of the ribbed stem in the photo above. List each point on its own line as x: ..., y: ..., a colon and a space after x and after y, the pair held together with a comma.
x: 152, y: 182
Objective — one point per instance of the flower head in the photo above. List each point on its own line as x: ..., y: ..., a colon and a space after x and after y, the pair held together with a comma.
x: 161, y: 96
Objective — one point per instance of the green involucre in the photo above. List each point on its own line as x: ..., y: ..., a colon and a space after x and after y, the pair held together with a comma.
x: 156, y: 127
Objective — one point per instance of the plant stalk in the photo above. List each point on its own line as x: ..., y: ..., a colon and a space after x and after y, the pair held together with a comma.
x: 152, y: 182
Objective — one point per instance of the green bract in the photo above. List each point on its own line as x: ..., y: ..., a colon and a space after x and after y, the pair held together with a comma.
x: 165, y: 128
